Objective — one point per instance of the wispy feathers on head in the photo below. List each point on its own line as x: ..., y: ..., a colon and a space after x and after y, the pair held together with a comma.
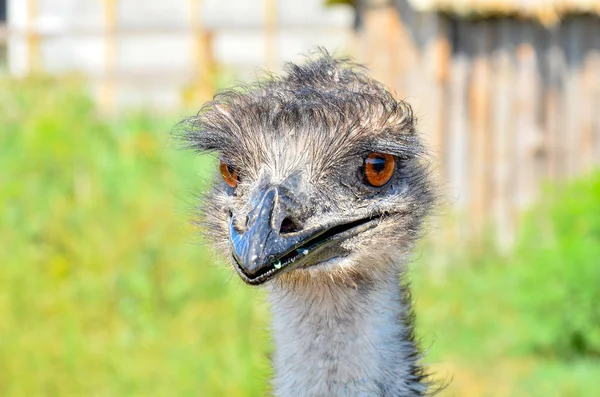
x: 329, y: 108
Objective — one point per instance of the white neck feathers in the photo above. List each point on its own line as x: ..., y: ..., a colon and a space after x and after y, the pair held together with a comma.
x: 341, y: 340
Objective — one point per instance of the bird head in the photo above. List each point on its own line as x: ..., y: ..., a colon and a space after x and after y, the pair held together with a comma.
x: 320, y: 174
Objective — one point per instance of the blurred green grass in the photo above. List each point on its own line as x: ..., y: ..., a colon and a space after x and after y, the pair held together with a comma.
x: 526, y: 322
x: 106, y: 291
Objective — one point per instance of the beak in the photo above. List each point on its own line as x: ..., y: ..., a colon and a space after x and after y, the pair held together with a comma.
x: 263, y: 250
x: 257, y: 252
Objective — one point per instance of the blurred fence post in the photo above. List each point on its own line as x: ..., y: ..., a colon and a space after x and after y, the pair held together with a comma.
x: 3, y: 43
x: 203, y: 62
x: 33, y: 37
x: 107, y: 100
x: 271, y: 53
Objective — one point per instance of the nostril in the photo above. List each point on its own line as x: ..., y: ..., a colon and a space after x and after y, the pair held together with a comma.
x: 289, y: 226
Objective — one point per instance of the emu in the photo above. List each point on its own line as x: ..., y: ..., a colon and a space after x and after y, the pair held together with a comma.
x: 322, y: 193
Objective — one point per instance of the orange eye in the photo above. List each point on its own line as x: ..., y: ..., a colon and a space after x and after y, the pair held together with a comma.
x: 379, y: 168
x: 229, y: 174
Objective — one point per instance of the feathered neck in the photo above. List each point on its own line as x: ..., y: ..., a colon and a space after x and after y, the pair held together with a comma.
x: 342, y: 339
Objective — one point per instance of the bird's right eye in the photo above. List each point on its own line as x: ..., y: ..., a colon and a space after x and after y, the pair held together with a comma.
x: 229, y: 174
x: 378, y: 168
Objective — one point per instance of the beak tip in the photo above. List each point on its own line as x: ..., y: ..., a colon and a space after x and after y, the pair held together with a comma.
x: 250, y: 265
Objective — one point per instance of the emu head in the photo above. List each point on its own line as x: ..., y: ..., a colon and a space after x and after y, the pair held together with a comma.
x: 320, y: 175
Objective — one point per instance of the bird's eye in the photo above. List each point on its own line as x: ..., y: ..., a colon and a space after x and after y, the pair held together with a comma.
x: 229, y: 174
x: 378, y: 168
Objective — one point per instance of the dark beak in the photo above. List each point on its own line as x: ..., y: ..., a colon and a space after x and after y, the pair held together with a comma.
x: 258, y: 251
x: 264, y: 250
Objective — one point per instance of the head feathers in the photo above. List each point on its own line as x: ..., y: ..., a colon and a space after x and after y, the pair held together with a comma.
x: 326, y: 107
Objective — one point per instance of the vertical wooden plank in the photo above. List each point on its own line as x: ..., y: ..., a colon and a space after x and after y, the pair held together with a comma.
x: 3, y: 44
x: 540, y: 40
x: 203, y: 59
x: 271, y: 21
x: 595, y: 34
x: 438, y: 57
x: 405, y: 50
x: 554, y: 120
x: 393, y: 45
x: 526, y: 108
x: 588, y: 76
x: 435, y: 64
x: 572, y: 97
x: 479, y: 109
x: 429, y: 91
x: 380, y: 47
x: 33, y: 37
x: 107, y: 99
x: 459, y: 128
x: 503, y: 121
x: 442, y: 57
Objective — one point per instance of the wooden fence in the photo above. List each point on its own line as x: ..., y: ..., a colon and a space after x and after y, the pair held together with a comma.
x: 31, y: 33
x: 141, y: 52
x: 506, y: 103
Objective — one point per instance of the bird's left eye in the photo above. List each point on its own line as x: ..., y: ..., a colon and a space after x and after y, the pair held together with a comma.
x: 378, y: 168
x: 229, y: 174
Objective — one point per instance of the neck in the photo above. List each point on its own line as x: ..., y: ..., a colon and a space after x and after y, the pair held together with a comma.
x: 334, y: 339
